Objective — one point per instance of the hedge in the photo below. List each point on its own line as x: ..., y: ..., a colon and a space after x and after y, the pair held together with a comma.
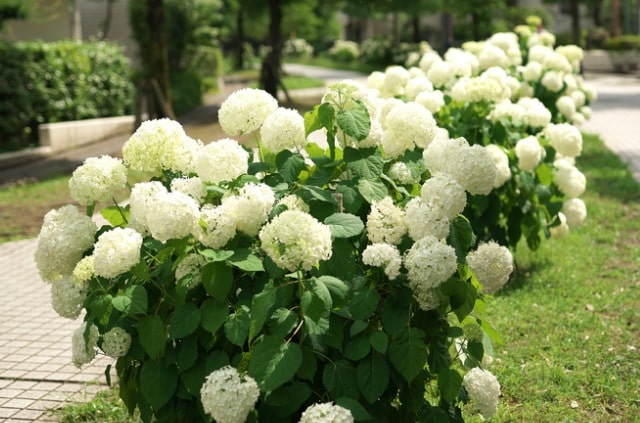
x: 53, y: 82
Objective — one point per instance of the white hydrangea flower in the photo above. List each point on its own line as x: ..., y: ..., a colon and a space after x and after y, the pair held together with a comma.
x: 578, y: 119
x: 443, y: 192
x: 433, y: 101
x: 552, y: 81
x: 326, y: 413
x: 345, y: 95
x: 479, y: 89
x: 565, y: 138
x: 428, y: 299
x: 492, y: 264
x: 192, y: 265
x: 491, y: 56
x: 116, y: 342
x: 395, y: 78
x: 537, y: 53
x: 501, y: 161
x: 505, y: 109
x: 442, y: 154
x: 144, y: 151
x: 441, y: 74
x: 417, y: 85
x: 575, y: 211
x: 245, y: 110
x: 536, y: 113
x: 484, y: 391
x: 529, y: 152
x: 227, y: 396
x: 424, y: 219
x: 84, y: 270
x: 579, y: 98
x: 293, y: 202
x: 532, y: 71
x: 222, y: 160
x: 193, y: 187
x: 282, y: 242
x: 383, y: 255
x: 570, y: 180
x: 429, y: 263
x: 375, y: 80
x: 65, y: 235
x: 180, y: 154
x: 541, y: 38
x: 97, y: 180
x: 573, y: 53
x: 566, y: 106
x: 400, y: 173
x: 407, y: 125
x: 175, y: 216
x: 428, y: 59
x: 67, y: 296
x: 386, y: 222
x: 218, y: 226
x: 84, y: 350
x: 474, y: 170
x: 586, y: 112
x: 250, y: 207
x: 116, y: 252
x: 557, y: 62
x: 283, y: 130
x: 562, y: 229
x: 142, y: 204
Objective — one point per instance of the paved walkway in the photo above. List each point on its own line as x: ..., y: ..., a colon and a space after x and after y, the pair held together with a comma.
x: 35, y: 348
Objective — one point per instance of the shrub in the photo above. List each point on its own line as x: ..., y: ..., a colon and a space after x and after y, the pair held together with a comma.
x: 297, y: 48
x: 186, y: 89
x: 344, y: 51
x: 53, y: 82
x: 623, y: 43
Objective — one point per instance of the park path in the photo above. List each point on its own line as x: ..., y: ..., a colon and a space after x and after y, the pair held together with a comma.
x: 35, y: 349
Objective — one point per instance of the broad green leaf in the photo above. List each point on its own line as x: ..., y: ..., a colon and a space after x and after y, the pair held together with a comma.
x: 260, y: 306
x: 283, y: 322
x: 213, y: 314
x: 141, y: 271
x: 316, y: 301
x: 321, y: 116
x: 379, y: 341
x: 350, y: 198
x: 236, y: 327
x: 357, y: 348
x: 372, y: 190
x: 373, y: 377
x: 193, y: 378
x: 364, y: 303
x: 337, y: 288
x: 117, y: 216
x: 121, y: 303
x: 286, y: 400
x: 243, y: 259
x: 188, y: 353
x: 344, y: 225
x: 217, y: 279
x: 316, y: 327
x: 449, y: 383
x: 158, y: 382
x: 153, y: 335
x: 216, y: 255
x: 274, y: 362
x: 184, y: 321
x: 355, y: 122
x: 461, y: 236
x: 290, y: 165
x: 313, y: 193
x: 309, y: 365
x: 395, y: 312
x: 493, y: 334
x: 357, y: 327
x: 339, y: 377
x: 366, y: 163
x: 544, y: 173
x: 357, y: 410
x: 408, y: 354
x: 462, y: 296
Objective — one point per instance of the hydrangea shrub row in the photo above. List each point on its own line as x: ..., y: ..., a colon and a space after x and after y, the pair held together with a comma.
x: 338, y: 272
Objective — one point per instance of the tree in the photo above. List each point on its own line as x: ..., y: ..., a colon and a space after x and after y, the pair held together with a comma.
x: 270, y: 72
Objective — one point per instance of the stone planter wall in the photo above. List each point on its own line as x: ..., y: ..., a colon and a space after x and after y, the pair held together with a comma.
x: 62, y: 136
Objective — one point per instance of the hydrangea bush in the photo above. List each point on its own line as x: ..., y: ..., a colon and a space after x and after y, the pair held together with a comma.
x: 327, y: 275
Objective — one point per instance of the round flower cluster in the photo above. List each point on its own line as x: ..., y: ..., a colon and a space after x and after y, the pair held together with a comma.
x: 501, y: 161
x: 570, y: 180
x: 406, y: 126
x: 423, y: 218
x: 250, y: 207
x: 293, y: 202
x: 386, y: 222
x: 217, y: 226
x: 176, y: 216
x: 383, y: 255
x: 283, y: 130
x: 282, y: 242
x: 565, y: 138
x: 116, y: 342
x: 484, y: 391
x: 326, y: 413
x: 429, y: 262
x: 116, y: 252
x: 529, y: 153
x: 444, y: 193
x: 492, y: 264
x: 227, y: 396
x: 67, y: 296
x: 65, y: 235
x: 478, y: 89
x: 83, y: 344
x: 97, y: 180
x: 245, y: 110
x: 575, y: 212
x: 400, y: 173
x: 84, y: 270
x: 193, y: 187
x: 190, y: 265
x: 222, y: 160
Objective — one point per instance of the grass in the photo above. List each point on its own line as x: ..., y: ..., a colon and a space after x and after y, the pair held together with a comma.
x: 105, y: 407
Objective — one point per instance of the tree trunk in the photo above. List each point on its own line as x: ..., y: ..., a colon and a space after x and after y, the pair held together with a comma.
x: 615, y: 15
x: 415, y: 23
x: 575, y: 21
x: 446, y: 31
x: 475, y: 26
x: 106, y: 24
x: 240, y: 38
x: 270, y: 77
x: 597, y: 13
x: 159, y: 60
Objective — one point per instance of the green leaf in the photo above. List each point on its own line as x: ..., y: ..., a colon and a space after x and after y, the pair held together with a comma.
x: 311, y: 193
x: 379, y: 341
x: 274, y: 362
x: 288, y: 399
x: 321, y: 116
x: 366, y: 163
x: 290, y: 165
x: 357, y: 348
x: 316, y: 301
x: 152, y: 334
x: 216, y: 255
x: 462, y: 296
x: 372, y: 190
x: 373, y: 377
x: 117, y: 216
x: 337, y: 288
x: 461, y: 236
x: 544, y: 173
x: 355, y: 122
x: 260, y: 306
x: 395, y: 312
x: 213, y: 315
x: 217, y: 279
x: 408, y: 354
x: 449, y: 383
x: 358, y: 412
x: 193, y: 378
x: 344, y: 225
x: 184, y: 321
x: 364, y: 303
x: 316, y: 327
x: 243, y: 259
x: 236, y: 327
x: 188, y: 353
x: 158, y: 382
x: 493, y: 334
x: 121, y: 303
x: 339, y: 378
x: 283, y: 322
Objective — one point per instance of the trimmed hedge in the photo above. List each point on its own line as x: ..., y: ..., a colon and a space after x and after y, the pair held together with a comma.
x: 61, y: 81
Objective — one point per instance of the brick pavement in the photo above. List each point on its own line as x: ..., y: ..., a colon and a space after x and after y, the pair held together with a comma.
x: 35, y: 343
